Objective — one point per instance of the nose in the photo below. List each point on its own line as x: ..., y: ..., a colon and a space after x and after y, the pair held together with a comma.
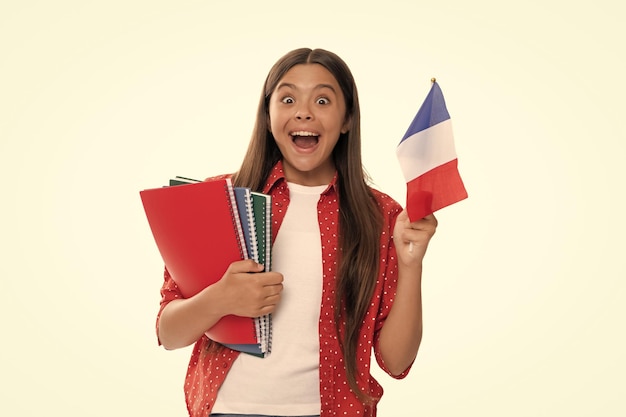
x: 303, y: 113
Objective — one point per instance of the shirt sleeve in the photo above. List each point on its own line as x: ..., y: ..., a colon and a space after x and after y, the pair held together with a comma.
x: 169, y: 292
x: 389, y: 279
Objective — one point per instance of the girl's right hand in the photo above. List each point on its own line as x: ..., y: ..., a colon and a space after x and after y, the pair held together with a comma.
x: 246, y: 291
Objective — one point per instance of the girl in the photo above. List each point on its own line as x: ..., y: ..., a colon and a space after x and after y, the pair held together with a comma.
x: 346, y: 272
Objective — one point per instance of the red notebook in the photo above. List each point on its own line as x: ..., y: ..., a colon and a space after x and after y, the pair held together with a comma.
x: 199, y: 235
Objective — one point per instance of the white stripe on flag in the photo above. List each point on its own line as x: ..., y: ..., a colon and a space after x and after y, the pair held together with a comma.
x: 426, y: 149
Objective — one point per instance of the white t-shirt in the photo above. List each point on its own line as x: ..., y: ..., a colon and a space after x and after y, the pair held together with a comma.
x: 287, y: 381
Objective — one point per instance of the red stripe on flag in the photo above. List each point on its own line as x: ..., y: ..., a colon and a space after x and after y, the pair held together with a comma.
x: 434, y: 190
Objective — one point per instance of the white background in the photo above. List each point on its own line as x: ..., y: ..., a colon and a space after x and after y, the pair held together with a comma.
x: 524, y: 281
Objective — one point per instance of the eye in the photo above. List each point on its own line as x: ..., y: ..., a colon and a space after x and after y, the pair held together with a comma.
x: 323, y: 101
x: 287, y: 100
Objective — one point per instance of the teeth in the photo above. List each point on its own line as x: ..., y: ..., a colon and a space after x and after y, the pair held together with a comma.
x: 303, y: 133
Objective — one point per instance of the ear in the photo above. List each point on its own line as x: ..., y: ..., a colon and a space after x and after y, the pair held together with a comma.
x: 346, y: 126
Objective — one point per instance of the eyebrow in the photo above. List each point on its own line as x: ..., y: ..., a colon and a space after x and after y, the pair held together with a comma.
x: 317, y: 87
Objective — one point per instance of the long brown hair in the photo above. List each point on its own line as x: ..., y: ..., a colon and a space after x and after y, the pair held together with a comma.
x: 360, y: 221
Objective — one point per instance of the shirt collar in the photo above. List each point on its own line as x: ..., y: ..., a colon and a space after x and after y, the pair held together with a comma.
x: 277, y: 176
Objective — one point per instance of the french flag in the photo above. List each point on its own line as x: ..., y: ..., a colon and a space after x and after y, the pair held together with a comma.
x: 428, y: 159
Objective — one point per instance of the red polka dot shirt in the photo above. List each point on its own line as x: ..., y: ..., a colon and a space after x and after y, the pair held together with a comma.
x: 208, y: 368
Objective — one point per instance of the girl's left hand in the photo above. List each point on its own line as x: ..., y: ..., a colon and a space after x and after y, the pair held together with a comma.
x: 411, y: 239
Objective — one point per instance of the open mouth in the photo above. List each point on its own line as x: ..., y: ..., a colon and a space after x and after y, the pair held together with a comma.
x: 304, y: 139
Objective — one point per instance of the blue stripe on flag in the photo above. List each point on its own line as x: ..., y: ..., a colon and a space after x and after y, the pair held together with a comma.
x: 432, y: 112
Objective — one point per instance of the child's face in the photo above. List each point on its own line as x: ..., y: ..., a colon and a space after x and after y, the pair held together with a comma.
x: 307, y: 115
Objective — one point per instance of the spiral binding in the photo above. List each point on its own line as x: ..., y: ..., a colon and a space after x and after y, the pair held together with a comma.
x: 252, y: 241
x: 235, y: 216
x: 262, y: 325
